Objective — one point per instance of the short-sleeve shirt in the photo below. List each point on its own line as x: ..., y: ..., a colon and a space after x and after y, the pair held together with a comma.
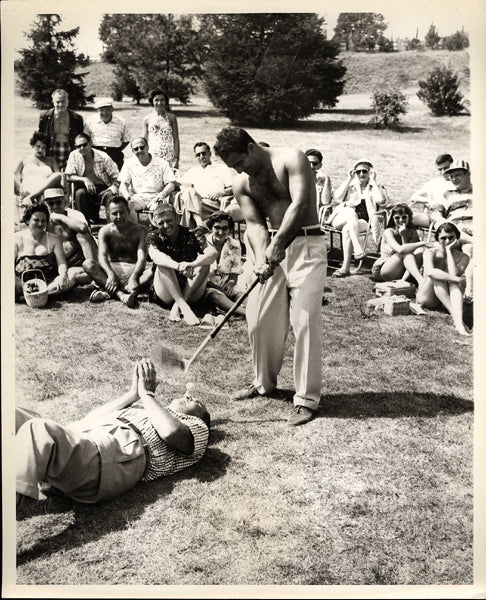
x: 164, y: 460
x: 185, y: 248
x: 112, y: 134
x: 150, y: 179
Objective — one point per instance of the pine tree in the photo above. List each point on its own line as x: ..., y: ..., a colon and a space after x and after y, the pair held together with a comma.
x: 270, y: 68
x: 432, y: 38
x: 50, y: 63
x: 359, y: 31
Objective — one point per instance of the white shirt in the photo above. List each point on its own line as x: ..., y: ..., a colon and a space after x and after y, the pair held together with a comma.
x: 112, y: 134
x: 208, y: 180
x: 433, y: 191
x: 149, y: 179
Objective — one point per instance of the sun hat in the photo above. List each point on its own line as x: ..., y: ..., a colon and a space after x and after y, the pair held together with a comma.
x: 363, y: 162
x: 458, y: 164
x: 53, y: 193
x: 103, y: 102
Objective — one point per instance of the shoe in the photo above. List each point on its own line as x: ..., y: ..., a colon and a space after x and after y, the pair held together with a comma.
x: 341, y: 273
x: 99, y: 296
x: 249, y: 391
x: 300, y: 415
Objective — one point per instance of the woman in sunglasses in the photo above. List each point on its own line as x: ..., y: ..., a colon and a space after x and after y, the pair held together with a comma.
x: 223, y: 273
x: 401, y: 249
x: 444, y: 267
x: 358, y: 199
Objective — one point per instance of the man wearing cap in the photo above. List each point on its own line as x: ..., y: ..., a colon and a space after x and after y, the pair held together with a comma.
x: 96, y: 175
x: 108, y: 132
x: 127, y: 440
x: 72, y: 228
x: 276, y: 191
x: 431, y: 193
x: 207, y: 187
x: 61, y: 126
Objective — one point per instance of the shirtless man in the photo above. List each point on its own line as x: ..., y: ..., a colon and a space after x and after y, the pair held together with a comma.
x: 71, y: 228
x: 122, y: 255
x: 276, y: 191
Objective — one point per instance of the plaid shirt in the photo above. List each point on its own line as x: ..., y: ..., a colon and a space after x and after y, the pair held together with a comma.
x: 112, y: 134
x: 164, y: 460
x: 103, y: 167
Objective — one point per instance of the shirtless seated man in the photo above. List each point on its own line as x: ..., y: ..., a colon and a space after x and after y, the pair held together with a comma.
x: 182, y: 266
x: 72, y: 229
x: 122, y: 255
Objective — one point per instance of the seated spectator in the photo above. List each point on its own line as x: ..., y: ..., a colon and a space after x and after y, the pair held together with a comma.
x: 207, y: 187
x: 108, y: 132
x: 223, y: 272
x: 127, y: 440
x: 96, y: 174
x: 182, y: 267
x: 323, y: 182
x: 72, y: 229
x: 431, y: 193
x: 35, y: 248
x: 145, y: 180
x: 37, y: 172
x: 60, y: 125
x: 358, y: 198
x: 400, y: 246
x: 122, y: 255
x: 444, y: 267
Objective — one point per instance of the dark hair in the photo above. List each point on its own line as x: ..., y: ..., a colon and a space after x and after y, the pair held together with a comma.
x: 442, y: 158
x: 232, y: 139
x: 35, y: 208
x: 119, y: 200
x: 314, y: 152
x: 264, y: 144
x: 220, y: 215
x: 38, y: 136
x: 401, y: 209
x: 85, y: 136
x: 159, y: 93
x: 201, y: 144
x: 448, y: 228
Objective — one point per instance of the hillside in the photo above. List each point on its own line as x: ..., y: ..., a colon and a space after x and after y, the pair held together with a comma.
x: 364, y: 71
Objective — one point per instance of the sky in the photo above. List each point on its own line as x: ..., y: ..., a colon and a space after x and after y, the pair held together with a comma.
x: 403, y: 21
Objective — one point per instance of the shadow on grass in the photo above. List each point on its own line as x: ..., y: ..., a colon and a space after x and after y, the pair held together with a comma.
x: 345, y: 111
x: 392, y: 404
x: 92, y: 522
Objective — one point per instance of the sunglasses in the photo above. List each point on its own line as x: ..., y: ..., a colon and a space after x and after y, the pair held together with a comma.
x: 447, y: 237
x: 198, y: 154
x: 362, y: 171
x: 84, y: 145
x: 137, y: 148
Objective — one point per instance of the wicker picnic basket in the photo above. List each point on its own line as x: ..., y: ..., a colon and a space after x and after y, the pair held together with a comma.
x: 35, y: 289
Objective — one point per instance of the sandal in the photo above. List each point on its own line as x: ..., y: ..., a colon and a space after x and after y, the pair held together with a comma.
x: 341, y: 273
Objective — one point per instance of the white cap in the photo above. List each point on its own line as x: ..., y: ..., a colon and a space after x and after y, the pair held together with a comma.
x: 458, y: 164
x: 53, y: 193
x: 103, y: 102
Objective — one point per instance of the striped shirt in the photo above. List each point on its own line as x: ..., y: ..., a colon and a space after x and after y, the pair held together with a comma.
x: 112, y: 134
x: 164, y: 460
x: 105, y: 169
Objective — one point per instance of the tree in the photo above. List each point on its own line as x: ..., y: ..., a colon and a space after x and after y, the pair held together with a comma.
x: 432, y: 38
x: 50, y: 63
x: 440, y: 92
x: 153, y: 51
x: 270, y: 68
x: 388, y: 104
x: 413, y: 44
x: 359, y: 31
x: 456, y: 41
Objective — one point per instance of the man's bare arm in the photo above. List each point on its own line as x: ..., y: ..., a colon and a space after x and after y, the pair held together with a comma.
x: 256, y: 227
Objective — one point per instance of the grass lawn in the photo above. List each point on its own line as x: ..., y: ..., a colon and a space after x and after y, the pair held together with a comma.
x: 376, y: 490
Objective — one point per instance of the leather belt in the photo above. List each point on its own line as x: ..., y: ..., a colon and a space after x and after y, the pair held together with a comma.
x: 301, y: 232
x: 143, y: 441
x: 105, y: 148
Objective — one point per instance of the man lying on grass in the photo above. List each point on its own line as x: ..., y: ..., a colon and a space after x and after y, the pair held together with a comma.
x: 130, y: 439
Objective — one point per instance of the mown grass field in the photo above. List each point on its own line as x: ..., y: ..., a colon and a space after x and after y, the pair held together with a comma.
x: 376, y: 490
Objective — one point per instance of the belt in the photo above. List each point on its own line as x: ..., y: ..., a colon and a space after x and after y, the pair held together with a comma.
x: 105, y: 148
x: 301, y: 232
x: 143, y: 441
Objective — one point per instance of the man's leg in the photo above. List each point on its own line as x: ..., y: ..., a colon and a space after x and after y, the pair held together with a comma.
x: 88, y: 204
x: 307, y: 266
x: 168, y: 289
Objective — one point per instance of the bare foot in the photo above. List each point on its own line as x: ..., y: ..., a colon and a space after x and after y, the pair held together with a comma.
x: 189, y: 317
x: 175, y: 313
x: 128, y: 299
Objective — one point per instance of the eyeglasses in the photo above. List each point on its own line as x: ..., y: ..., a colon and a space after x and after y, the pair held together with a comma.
x: 83, y: 145
x: 198, y: 154
x: 401, y: 217
x: 220, y: 228
x: 446, y: 238
x: 138, y: 148
x: 362, y: 171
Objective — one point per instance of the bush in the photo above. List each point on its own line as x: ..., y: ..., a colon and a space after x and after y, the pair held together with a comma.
x: 388, y: 105
x: 440, y: 92
x: 456, y: 41
x: 385, y: 45
x: 413, y: 44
